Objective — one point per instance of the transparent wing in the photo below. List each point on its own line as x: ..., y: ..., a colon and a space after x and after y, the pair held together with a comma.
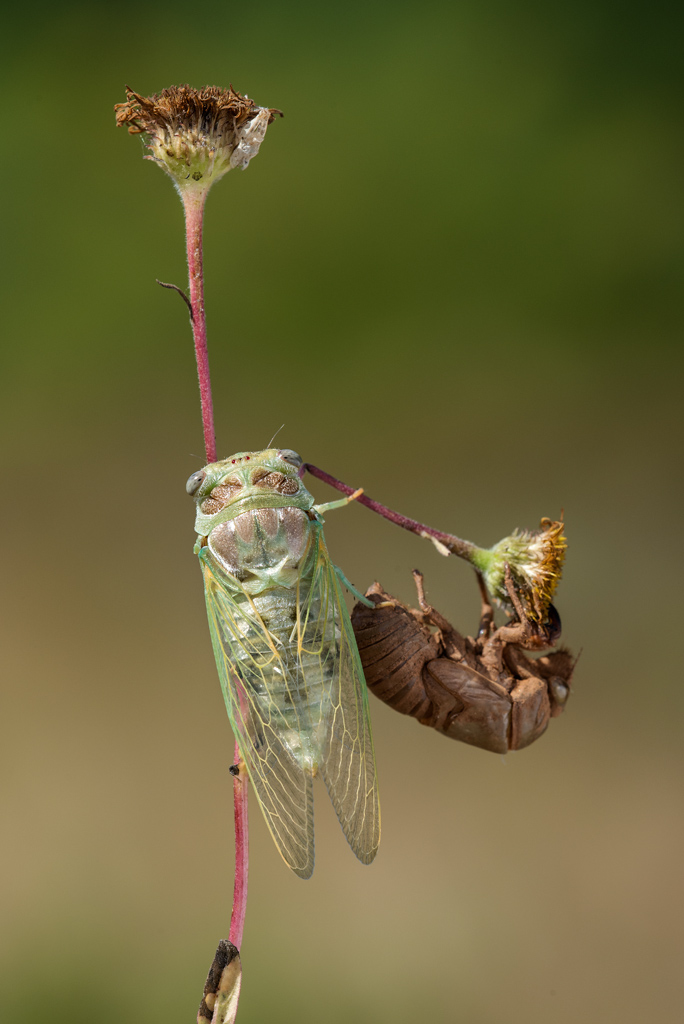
x: 328, y: 653
x: 298, y: 705
x: 252, y: 666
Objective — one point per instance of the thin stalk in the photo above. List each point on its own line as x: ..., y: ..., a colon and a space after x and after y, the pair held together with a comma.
x: 193, y: 204
x: 456, y: 546
x: 237, y: 917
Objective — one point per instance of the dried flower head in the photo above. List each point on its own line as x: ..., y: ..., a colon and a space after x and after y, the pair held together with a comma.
x: 535, y: 561
x: 196, y: 135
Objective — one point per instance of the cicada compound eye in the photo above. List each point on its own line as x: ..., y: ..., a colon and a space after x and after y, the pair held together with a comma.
x: 195, y: 482
x: 292, y: 457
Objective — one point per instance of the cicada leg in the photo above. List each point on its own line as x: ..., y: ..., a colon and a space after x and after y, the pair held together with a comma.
x: 451, y: 638
x: 340, y: 503
x: 351, y: 588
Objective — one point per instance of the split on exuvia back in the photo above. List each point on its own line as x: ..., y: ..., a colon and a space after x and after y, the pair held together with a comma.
x: 285, y: 650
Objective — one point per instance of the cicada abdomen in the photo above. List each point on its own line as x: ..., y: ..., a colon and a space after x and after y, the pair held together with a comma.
x: 485, y: 692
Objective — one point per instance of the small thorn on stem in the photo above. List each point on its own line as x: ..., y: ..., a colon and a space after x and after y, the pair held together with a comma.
x: 175, y: 288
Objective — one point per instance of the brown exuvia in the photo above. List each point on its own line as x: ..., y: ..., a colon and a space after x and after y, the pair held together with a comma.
x: 486, y: 691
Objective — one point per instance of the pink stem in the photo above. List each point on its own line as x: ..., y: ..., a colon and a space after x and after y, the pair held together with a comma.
x: 194, y: 215
x: 462, y: 548
x: 237, y: 918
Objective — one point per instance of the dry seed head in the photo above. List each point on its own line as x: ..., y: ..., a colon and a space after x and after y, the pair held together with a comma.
x: 196, y: 135
x: 535, y: 559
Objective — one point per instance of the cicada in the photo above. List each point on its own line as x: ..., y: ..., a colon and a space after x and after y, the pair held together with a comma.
x: 285, y: 650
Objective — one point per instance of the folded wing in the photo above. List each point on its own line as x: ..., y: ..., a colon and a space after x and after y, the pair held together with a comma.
x: 248, y: 659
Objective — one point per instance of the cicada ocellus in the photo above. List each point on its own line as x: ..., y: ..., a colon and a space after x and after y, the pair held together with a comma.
x: 285, y: 650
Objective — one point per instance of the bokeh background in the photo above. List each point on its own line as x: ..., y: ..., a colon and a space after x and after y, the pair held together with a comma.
x: 454, y: 272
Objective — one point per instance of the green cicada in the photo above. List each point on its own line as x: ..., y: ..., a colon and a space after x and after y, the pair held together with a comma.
x: 285, y: 650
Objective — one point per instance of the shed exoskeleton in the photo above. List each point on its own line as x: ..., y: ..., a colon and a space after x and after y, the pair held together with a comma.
x: 485, y: 691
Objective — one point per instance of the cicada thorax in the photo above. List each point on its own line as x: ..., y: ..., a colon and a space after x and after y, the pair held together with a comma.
x: 484, y: 693
x: 232, y: 487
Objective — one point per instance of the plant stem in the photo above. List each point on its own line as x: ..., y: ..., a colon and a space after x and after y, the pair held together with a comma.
x: 456, y: 546
x: 237, y: 917
x: 193, y: 204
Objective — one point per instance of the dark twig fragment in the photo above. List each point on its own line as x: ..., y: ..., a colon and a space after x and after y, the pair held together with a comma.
x: 175, y: 288
x: 222, y: 988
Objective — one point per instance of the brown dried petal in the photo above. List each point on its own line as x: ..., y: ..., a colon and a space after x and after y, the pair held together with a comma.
x: 208, y: 111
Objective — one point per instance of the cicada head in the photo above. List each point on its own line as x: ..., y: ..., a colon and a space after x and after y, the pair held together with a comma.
x: 245, y: 482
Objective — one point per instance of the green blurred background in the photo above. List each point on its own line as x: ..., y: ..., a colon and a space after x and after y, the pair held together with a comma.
x: 454, y: 273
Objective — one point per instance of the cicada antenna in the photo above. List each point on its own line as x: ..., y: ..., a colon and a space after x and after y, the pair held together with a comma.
x: 274, y: 436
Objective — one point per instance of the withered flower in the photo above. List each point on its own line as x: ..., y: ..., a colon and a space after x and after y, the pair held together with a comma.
x: 196, y: 135
x: 535, y: 563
